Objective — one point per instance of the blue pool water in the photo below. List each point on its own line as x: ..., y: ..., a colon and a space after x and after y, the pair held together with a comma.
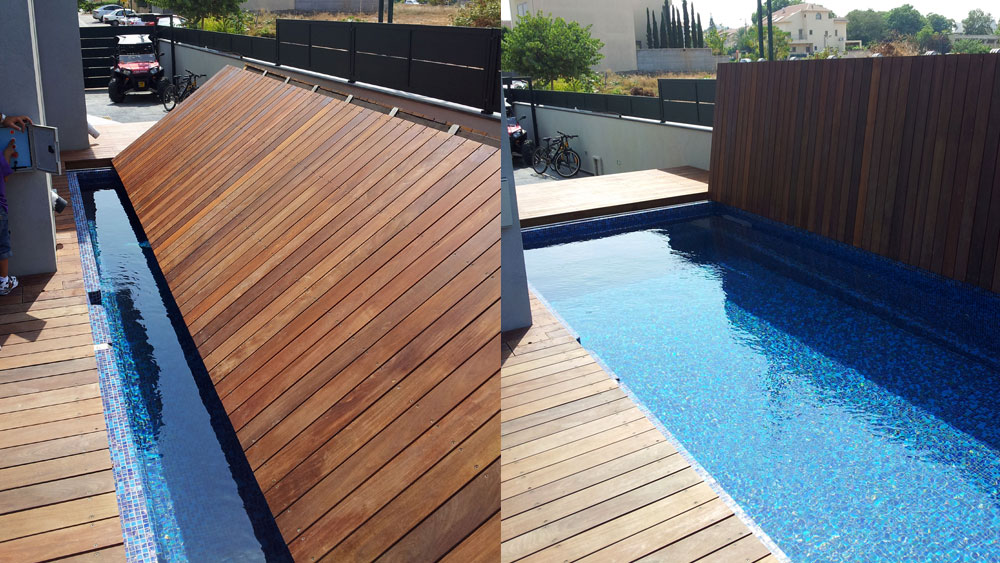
x: 201, y: 497
x: 848, y: 404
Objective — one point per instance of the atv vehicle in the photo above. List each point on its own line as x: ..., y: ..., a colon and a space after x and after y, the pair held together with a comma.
x: 136, y: 69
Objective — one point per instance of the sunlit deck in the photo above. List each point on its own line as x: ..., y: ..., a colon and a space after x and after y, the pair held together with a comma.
x: 57, y: 492
x: 581, y: 198
x: 586, y: 476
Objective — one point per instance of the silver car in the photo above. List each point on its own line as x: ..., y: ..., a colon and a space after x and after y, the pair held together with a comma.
x: 105, y: 10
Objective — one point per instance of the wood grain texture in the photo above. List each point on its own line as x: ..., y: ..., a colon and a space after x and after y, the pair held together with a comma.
x: 57, y: 492
x: 585, y: 475
x: 338, y: 270
x: 897, y: 156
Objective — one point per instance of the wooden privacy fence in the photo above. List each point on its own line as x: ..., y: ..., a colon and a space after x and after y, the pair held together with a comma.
x: 679, y: 100
x: 338, y: 270
x: 898, y: 156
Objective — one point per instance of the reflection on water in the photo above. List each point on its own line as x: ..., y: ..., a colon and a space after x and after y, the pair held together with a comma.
x: 849, y: 406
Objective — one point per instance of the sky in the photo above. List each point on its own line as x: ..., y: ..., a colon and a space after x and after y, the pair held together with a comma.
x: 731, y: 13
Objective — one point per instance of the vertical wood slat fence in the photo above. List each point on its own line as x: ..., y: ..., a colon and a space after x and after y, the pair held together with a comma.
x: 897, y: 156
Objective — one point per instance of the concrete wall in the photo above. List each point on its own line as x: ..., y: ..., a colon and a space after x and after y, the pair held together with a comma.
x: 32, y: 224
x: 678, y: 60
x: 515, y: 306
x: 196, y: 59
x: 62, y: 76
x: 624, y: 144
x: 611, y: 22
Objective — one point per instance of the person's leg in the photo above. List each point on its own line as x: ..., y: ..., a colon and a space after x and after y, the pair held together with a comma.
x: 7, y: 282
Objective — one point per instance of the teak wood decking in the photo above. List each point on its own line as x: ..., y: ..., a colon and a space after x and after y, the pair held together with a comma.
x: 57, y: 494
x: 338, y: 270
x: 585, y: 476
x: 581, y: 198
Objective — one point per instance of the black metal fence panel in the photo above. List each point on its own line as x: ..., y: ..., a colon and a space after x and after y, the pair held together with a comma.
x: 97, y: 49
x: 456, y: 64
x: 680, y: 100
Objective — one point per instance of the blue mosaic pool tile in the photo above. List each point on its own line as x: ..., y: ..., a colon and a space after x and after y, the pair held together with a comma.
x: 137, y: 529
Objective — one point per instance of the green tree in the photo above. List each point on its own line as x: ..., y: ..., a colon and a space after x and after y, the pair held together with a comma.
x: 701, y: 34
x: 198, y: 10
x: 973, y: 46
x: 478, y: 13
x: 667, y: 23
x: 664, y: 43
x: 930, y: 40
x: 715, y: 42
x: 940, y: 24
x: 649, y: 32
x: 866, y: 25
x: 687, y: 24
x: 656, y: 36
x: 746, y: 42
x: 548, y: 48
x: 978, y: 23
x: 904, y: 20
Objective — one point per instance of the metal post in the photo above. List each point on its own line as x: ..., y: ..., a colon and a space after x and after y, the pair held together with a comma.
x: 534, y: 120
x: 770, y: 34
x: 697, y: 104
x: 381, y: 9
x: 173, y: 53
x: 659, y: 98
x: 389, y: 12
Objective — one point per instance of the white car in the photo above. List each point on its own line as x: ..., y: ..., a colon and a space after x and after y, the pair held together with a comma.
x: 411, y: 2
x: 99, y: 13
x: 121, y: 17
x: 165, y: 21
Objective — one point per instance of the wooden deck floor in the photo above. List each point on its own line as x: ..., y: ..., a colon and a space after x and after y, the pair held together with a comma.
x: 114, y: 138
x: 584, y: 474
x: 581, y: 198
x: 57, y: 493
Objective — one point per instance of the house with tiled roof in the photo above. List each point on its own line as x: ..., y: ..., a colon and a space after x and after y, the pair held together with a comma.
x: 812, y: 27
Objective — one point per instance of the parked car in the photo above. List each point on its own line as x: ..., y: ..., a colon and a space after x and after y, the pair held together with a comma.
x: 99, y: 13
x: 145, y: 20
x: 411, y: 2
x: 120, y: 17
x: 136, y: 69
x: 796, y: 56
x: 165, y: 21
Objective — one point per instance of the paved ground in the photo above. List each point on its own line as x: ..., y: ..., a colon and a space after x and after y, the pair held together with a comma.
x: 86, y: 20
x: 135, y: 108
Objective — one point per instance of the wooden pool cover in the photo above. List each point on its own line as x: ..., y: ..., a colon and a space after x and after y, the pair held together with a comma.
x: 338, y: 270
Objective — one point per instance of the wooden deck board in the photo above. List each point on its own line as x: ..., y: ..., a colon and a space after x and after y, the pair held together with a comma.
x: 586, y: 476
x: 114, y: 138
x: 580, y: 198
x: 57, y: 496
x: 338, y: 270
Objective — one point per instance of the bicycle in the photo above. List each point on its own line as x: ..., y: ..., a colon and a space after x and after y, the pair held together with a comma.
x: 557, y: 154
x: 181, y: 88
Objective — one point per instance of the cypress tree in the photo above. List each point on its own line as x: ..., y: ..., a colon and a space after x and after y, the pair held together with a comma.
x: 701, y: 34
x: 669, y: 23
x: 663, y: 31
x: 687, y: 24
x: 649, y: 32
x: 678, y: 29
x: 656, y: 36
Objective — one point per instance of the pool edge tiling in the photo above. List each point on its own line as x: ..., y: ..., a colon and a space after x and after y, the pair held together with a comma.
x: 137, y: 531
x: 638, y: 493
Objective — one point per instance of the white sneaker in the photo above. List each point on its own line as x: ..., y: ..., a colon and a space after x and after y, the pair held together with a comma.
x: 9, y: 286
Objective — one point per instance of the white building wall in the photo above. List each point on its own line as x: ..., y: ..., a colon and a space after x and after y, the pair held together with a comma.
x: 812, y: 33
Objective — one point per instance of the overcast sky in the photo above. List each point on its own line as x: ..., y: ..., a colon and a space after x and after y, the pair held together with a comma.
x: 733, y: 12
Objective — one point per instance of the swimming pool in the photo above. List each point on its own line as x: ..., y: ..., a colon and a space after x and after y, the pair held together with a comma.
x: 847, y: 403
x: 200, y: 501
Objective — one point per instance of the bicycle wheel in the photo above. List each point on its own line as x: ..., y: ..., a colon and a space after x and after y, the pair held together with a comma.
x: 170, y: 97
x: 540, y: 160
x: 567, y: 164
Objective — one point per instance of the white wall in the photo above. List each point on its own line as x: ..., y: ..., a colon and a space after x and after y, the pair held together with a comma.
x: 624, y: 144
